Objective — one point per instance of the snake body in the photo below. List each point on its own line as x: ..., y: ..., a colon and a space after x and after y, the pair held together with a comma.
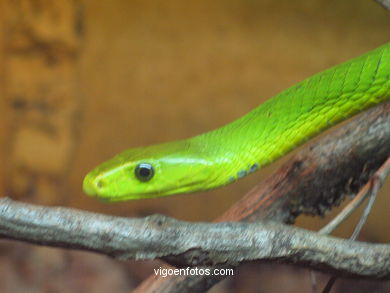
x: 256, y: 139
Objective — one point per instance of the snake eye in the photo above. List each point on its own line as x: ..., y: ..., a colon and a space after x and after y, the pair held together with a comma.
x: 144, y: 172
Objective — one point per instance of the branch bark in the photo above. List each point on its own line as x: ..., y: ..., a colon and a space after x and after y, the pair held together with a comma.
x: 313, y: 181
x: 320, y: 176
x: 283, y: 197
x: 384, y: 3
x: 191, y: 244
x: 299, y: 186
x: 338, y: 163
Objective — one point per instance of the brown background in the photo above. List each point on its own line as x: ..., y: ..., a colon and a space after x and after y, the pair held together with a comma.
x: 81, y: 81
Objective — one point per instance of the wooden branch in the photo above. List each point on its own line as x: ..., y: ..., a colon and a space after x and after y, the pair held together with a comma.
x: 371, y: 190
x: 384, y: 3
x: 320, y: 176
x: 365, y: 142
x: 191, y: 244
x: 313, y: 181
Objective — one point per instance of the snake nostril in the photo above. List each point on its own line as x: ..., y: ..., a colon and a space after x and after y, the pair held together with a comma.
x: 100, y: 184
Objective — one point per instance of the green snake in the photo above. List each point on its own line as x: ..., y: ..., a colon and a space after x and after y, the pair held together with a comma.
x: 222, y: 156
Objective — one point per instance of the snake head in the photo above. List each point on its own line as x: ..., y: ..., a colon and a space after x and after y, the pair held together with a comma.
x: 153, y: 171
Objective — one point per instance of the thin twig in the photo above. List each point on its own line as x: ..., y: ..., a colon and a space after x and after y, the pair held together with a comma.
x: 312, y: 181
x: 367, y: 189
x: 313, y: 281
x: 329, y: 284
x: 377, y: 182
x: 371, y: 188
x: 333, y: 224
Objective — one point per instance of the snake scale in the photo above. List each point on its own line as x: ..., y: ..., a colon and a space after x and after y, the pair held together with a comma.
x: 226, y: 154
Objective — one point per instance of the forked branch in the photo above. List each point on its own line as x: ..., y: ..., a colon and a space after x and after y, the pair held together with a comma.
x: 191, y: 244
x: 313, y: 181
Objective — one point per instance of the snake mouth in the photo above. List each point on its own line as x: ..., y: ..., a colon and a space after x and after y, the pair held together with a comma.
x: 171, y: 189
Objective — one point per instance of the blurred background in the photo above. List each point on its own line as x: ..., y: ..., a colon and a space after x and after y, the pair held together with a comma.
x: 83, y: 80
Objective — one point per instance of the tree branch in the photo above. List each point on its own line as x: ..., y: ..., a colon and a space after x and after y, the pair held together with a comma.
x: 384, y: 3
x: 191, y: 244
x: 370, y: 189
x: 322, y: 174
x: 339, y: 163
x: 313, y: 181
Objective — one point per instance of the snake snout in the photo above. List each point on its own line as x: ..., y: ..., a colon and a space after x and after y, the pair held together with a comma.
x: 92, y: 185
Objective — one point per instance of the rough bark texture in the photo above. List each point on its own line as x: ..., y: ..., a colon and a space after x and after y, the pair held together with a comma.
x: 313, y: 181
x: 207, y: 243
x: 319, y: 177
x: 26, y: 176
x: 229, y: 244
